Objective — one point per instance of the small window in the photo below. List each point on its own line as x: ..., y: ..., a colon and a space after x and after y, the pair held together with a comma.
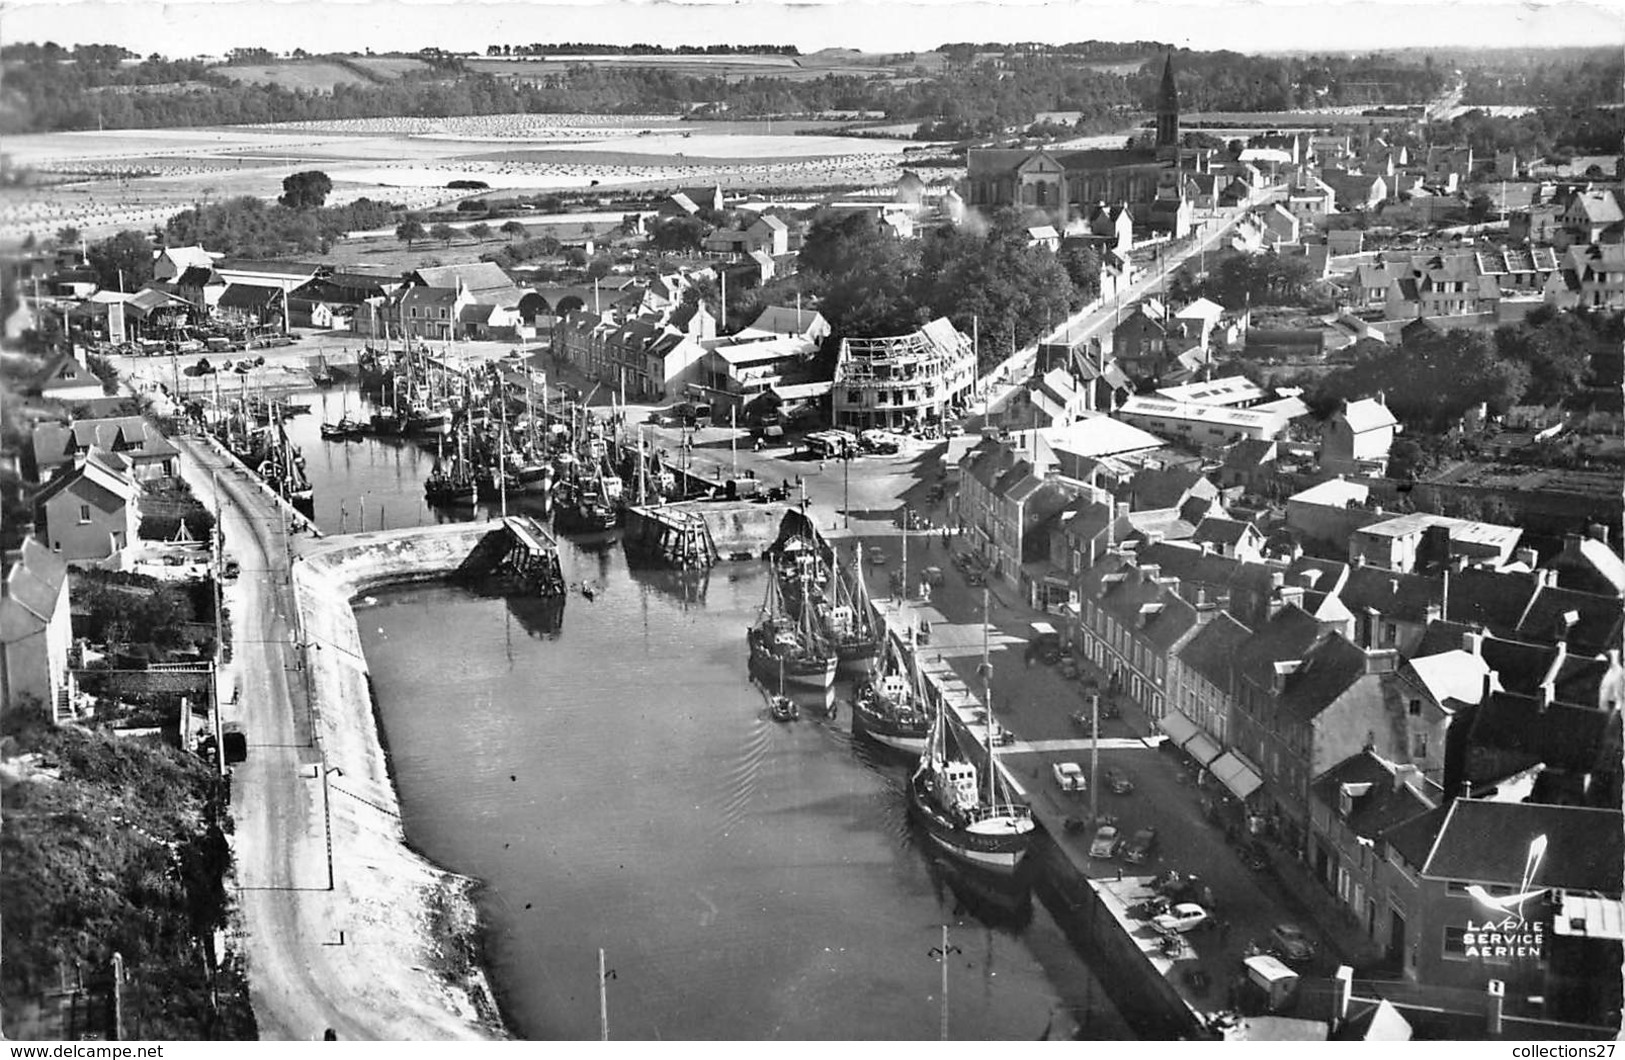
x: 84, y: 513
x: 1419, y: 745
x: 1416, y: 708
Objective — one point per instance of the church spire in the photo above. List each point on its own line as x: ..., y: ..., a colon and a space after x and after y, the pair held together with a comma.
x: 1168, y: 107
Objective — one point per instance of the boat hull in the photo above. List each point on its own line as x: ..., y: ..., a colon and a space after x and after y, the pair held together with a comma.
x: 798, y: 673
x: 992, y: 851
x: 904, y: 737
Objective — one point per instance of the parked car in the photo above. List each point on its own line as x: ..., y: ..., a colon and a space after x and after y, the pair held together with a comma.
x: 877, y: 556
x: 1083, y: 722
x: 1070, y: 776
x: 1105, y: 843
x: 230, y: 569
x: 1186, y: 916
x: 1119, y: 782
x: 1141, y: 847
x: 1291, y: 941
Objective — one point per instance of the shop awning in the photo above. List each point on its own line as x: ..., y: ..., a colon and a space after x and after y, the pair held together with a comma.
x: 1178, y: 727
x: 1202, y: 749
x: 1235, y: 775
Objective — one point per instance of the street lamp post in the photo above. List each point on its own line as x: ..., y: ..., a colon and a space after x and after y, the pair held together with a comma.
x: 846, y: 487
x: 941, y: 953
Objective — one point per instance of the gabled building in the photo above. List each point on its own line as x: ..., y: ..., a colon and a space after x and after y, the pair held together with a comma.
x: 247, y: 305
x: 59, y: 447
x: 64, y: 378
x: 1357, y: 438
x: 903, y: 380
x: 1419, y: 540
x: 425, y: 312
x: 35, y: 630
x: 1590, y: 277
x: 1202, y: 674
x: 90, y: 515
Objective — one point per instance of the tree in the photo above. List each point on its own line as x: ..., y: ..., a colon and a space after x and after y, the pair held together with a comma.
x: 307, y: 190
x: 410, y: 231
x: 598, y: 267
x: 443, y: 232
x: 122, y: 262
x: 67, y: 236
x: 676, y: 235
x: 1555, y: 347
x: 480, y: 231
x: 515, y: 230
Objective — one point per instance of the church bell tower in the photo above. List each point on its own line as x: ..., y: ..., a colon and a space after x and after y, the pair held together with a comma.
x: 1168, y: 110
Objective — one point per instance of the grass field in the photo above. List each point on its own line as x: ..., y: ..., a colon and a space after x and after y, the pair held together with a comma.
x: 313, y: 76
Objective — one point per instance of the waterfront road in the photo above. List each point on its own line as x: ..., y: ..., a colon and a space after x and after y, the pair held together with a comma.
x: 314, y: 958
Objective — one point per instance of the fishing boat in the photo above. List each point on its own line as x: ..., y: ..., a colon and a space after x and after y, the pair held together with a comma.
x: 887, y: 709
x: 849, y: 623
x: 782, y: 706
x: 421, y: 419
x: 968, y: 809
x: 450, y: 486
x: 779, y: 642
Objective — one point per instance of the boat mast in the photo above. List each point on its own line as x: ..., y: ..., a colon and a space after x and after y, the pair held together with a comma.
x: 603, y: 999
x: 987, y: 701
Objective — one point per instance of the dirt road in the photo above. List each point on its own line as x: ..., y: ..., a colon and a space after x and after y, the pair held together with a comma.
x: 342, y: 947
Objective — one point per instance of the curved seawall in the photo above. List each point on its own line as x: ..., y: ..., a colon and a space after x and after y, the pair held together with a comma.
x: 416, y: 920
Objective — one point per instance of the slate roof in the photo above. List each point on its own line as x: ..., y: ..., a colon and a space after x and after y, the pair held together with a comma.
x: 1599, y: 625
x: 248, y: 296
x: 102, y: 470
x: 1330, y: 669
x: 1212, y: 652
x: 1488, y: 842
x: 1384, y: 804
x: 1367, y: 415
x: 1153, y: 488
x: 1290, y: 634
x: 1222, y: 531
x: 1397, y: 596
x: 56, y: 443
x: 1562, y: 735
x: 485, y: 280
x: 1489, y: 599
x: 33, y: 578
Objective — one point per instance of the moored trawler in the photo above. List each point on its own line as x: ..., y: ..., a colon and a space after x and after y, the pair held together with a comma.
x: 781, y: 644
x: 887, y: 710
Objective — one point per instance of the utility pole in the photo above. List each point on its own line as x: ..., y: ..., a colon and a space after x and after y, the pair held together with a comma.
x: 219, y: 629
x: 603, y: 998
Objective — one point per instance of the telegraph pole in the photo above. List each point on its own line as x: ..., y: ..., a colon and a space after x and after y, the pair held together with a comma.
x: 219, y: 628
x: 941, y: 953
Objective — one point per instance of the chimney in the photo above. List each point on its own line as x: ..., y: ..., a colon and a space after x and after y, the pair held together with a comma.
x: 1277, y: 579
x: 1381, y: 661
x: 1495, y: 995
x: 1284, y: 669
x: 1527, y: 556
x: 1342, y: 988
x: 1407, y: 773
x: 1472, y: 642
x: 1492, y: 685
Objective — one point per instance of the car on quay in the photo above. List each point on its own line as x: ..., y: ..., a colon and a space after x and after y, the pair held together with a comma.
x: 1119, y: 782
x: 1141, y: 846
x: 1069, y: 776
x: 877, y: 556
x: 1186, y: 916
x: 1107, y: 840
x: 1291, y: 942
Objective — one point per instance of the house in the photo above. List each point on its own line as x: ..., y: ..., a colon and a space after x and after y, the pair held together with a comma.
x: 1106, y: 227
x: 1447, y: 168
x: 998, y: 481
x: 1357, y: 438
x: 1590, y: 566
x: 488, y: 322
x: 1201, y: 676
x: 1355, y: 191
x: 1044, y: 236
x: 64, y: 378
x: 1280, y: 225
x: 1453, y: 864
x: 1306, y: 701
x: 200, y: 286
x: 35, y: 630
x: 89, y: 515
x: 59, y: 447
x: 688, y: 202
x: 792, y: 322
x: 1419, y: 540
x: 1595, y: 215
x: 1311, y: 200
x: 1236, y: 539
x: 425, y: 312
x: 353, y: 301
x: 1441, y: 286
x: 169, y: 263
x: 1250, y: 464
x: 1589, y: 277
x: 485, y: 281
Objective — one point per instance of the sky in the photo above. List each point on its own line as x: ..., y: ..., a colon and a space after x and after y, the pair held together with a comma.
x: 177, y: 28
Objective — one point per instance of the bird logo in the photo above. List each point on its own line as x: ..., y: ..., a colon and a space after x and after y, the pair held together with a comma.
x: 1512, y: 905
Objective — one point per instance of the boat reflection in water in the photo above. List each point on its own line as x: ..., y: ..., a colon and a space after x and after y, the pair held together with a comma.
x: 541, y: 617
x: 1000, y: 901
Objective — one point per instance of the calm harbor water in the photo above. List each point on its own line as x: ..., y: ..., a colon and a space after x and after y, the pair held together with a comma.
x: 611, y: 774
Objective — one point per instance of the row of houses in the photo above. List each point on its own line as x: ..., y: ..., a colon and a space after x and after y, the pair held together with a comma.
x: 1356, y: 712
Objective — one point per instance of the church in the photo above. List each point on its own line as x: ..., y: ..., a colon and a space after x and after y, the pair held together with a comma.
x: 1154, y: 182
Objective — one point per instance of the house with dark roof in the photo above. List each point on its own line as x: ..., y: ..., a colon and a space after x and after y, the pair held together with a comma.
x: 1353, y: 805
x: 1236, y: 539
x: 1132, y: 623
x: 90, y: 515
x: 35, y: 630
x: 1200, y: 675
x: 425, y: 312
x: 58, y: 447
x: 247, y: 305
x: 64, y: 378
x: 1250, y: 463
x: 1529, y: 859
x: 1589, y: 277
x: 1306, y: 700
